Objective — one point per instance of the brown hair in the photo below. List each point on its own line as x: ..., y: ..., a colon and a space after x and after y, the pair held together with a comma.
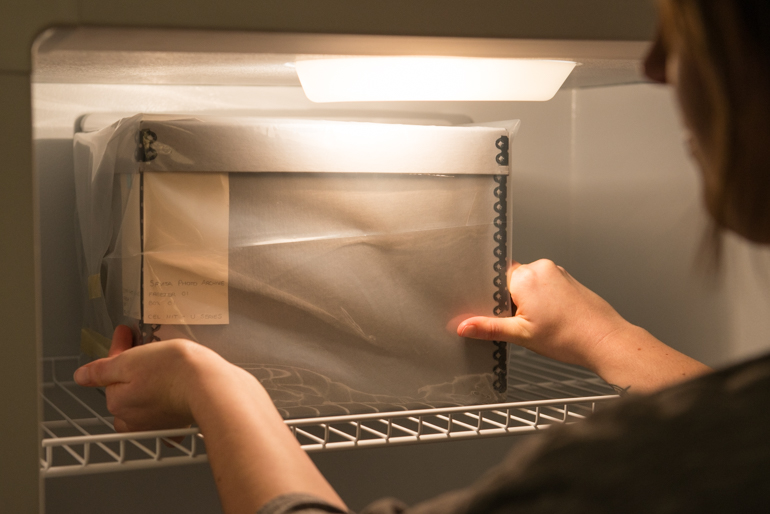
x: 730, y: 41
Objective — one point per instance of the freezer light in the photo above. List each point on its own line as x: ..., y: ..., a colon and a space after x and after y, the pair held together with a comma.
x: 361, y: 79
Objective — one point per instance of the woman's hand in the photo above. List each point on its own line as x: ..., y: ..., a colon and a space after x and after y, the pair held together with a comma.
x: 556, y: 316
x: 560, y: 318
x: 148, y: 387
x: 169, y: 384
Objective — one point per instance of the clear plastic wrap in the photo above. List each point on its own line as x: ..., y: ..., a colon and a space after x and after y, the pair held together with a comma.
x: 333, y: 260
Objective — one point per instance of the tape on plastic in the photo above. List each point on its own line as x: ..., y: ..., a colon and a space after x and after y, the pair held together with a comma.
x: 94, y: 286
x: 94, y: 344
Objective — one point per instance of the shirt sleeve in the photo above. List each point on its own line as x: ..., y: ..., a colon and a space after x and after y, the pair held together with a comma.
x: 296, y: 503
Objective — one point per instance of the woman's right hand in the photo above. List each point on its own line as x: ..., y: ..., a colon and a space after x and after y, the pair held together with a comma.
x: 558, y: 317
x: 150, y: 387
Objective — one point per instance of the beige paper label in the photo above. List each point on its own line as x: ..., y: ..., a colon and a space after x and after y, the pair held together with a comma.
x: 186, y: 232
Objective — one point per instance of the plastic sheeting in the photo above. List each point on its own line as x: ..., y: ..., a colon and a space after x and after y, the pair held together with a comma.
x: 332, y: 260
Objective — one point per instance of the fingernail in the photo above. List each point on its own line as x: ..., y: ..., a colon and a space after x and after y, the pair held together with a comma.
x: 83, y: 375
x: 469, y: 331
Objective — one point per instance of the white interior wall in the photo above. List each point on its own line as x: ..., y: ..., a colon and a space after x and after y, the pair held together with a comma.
x: 637, y: 226
x: 637, y: 221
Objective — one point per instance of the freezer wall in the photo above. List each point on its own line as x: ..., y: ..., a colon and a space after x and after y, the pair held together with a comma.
x: 638, y: 230
x: 637, y: 222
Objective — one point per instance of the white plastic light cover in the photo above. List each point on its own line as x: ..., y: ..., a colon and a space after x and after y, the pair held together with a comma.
x: 363, y: 79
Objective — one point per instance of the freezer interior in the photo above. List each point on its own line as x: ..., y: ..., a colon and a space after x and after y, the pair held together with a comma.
x: 599, y: 180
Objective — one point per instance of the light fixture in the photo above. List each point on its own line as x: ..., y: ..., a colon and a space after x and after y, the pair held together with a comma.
x: 361, y: 79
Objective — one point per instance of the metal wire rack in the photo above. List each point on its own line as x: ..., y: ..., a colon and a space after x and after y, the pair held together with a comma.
x: 79, y: 438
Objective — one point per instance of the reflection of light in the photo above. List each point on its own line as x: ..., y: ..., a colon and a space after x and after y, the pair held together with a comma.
x: 359, y: 79
x: 368, y: 147
x: 290, y: 65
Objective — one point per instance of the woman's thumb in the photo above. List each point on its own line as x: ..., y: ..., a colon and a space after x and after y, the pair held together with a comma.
x: 511, y: 330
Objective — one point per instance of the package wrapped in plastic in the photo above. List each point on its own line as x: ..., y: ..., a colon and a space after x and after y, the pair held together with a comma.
x: 333, y: 260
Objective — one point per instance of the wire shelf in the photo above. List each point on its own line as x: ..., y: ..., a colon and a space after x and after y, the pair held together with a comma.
x: 79, y: 438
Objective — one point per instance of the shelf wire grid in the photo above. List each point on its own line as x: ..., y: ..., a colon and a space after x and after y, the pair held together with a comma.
x: 78, y: 436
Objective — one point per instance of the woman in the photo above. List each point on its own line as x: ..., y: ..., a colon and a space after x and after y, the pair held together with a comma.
x: 699, y: 446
